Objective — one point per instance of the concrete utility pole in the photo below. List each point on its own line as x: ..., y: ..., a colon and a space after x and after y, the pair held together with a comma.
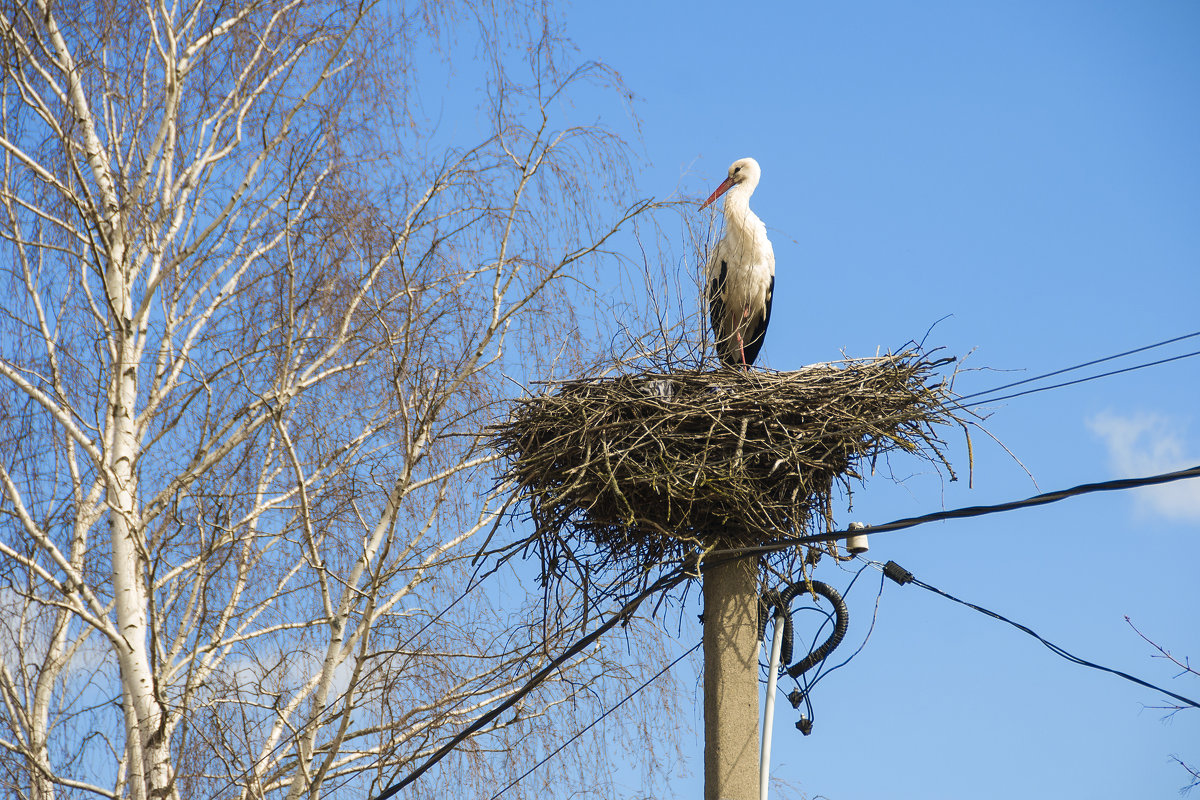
x: 731, y: 681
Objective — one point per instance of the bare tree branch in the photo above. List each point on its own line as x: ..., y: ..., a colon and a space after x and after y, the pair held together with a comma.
x: 259, y: 312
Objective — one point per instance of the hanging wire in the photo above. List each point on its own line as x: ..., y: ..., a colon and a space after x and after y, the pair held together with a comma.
x: 331, y: 708
x: 665, y: 582
x: 968, y: 511
x: 902, y: 577
x: 822, y: 673
x: 960, y: 404
x: 598, y: 719
x: 1091, y: 363
x: 806, y: 682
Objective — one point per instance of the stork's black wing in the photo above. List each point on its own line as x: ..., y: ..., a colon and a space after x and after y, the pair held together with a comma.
x: 758, y: 326
x: 725, y: 341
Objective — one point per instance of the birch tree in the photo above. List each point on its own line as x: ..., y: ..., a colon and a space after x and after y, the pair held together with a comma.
x: 255, y: 317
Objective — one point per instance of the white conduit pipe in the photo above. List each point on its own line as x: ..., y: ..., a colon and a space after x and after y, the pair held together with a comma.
x: 764, y: 755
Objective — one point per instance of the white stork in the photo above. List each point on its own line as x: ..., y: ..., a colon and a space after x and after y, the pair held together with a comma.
x: 741, y: 272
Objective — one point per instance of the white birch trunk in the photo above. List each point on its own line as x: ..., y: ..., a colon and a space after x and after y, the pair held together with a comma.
x: 253, y: 350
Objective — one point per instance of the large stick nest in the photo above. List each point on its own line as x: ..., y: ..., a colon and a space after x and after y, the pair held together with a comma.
x: 646, y: 467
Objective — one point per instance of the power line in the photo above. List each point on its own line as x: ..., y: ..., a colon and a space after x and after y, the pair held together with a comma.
x: 823, y: 672
x: 969, y: 511
x: 960, y: 404
x: 807, y: 681
x: 663, y: 583
x: 597, y: 720
x: 1083, y: 365
x: 903, y: 576
x: 321, y: 719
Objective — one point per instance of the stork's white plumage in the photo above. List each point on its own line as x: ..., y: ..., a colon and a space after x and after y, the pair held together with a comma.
x: 740, y: 276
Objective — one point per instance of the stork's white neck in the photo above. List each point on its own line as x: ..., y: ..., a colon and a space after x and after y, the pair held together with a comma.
x: 740, y: 221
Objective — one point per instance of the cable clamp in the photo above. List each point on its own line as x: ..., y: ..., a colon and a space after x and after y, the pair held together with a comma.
x: 897, y: 573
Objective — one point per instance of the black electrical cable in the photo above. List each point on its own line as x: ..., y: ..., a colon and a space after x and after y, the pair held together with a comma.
x: 472, y: 583
x: 663, y: 583
x: 903, y: 576
x: 823, y: 673
x: 969, y: 511
x: 958, y: 403
x: 770, y: 607
x: 781, y: 602
x: 804, y: 681
x: 841, y: 624
x: 1091, y: 363
x: 597, y: 720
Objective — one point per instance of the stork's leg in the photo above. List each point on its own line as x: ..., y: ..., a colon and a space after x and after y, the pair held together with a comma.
x: 738, y: 330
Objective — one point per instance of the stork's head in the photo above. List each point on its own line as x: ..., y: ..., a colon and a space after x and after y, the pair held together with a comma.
x: 744, y: 173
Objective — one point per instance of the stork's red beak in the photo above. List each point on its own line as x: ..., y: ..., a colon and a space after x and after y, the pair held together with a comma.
x: 722, y: 189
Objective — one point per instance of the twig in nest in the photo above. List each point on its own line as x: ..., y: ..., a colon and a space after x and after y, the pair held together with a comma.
x: 696, y: 457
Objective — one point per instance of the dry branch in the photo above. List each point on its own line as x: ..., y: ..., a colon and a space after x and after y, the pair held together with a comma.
x: 641, y: 469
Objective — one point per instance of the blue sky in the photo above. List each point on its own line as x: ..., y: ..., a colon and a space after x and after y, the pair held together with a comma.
x: 1031, y: 171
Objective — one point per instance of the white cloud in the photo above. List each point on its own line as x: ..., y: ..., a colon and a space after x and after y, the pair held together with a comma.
x: 1145, y: 444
